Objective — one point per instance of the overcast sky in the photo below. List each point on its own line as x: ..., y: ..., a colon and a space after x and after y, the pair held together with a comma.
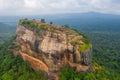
x: 36, y: 7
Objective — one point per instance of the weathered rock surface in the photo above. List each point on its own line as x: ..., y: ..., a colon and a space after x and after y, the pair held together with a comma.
x: 52, y: 50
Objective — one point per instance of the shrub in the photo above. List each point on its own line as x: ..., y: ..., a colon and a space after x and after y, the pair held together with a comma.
x: 84, y: 47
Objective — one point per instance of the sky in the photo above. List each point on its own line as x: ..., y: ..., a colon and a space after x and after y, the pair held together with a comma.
x: 37, y: 7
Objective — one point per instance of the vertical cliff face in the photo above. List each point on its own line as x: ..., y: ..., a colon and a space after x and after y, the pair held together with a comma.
x: 50, y: 48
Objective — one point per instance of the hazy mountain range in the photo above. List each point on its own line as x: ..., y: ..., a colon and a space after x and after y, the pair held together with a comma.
x: 75, y: 20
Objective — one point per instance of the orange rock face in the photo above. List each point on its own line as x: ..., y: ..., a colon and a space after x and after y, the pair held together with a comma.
x: 35, y: 63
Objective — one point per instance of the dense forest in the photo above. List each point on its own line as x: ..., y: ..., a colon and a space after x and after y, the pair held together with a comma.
x: 14, y: 68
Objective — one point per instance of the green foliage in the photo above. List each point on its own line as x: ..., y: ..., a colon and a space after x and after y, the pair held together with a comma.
x: 71, y: 74
x: 43, y: 20
x: 53, y: 28
x: 14, y: 68
x: 25, y: 22
x: 67, y: 74
x: 86, y: 39
x: 42, y: 27
x: 30, y: 23
x: 51, y: 22
x: 87, y: 43
x: 84, y: 47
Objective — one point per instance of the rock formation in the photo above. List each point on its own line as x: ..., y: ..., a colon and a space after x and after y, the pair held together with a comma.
x: 50, y: 48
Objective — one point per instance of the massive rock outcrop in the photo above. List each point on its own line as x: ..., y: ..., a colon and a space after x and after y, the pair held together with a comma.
x: 48, y: 47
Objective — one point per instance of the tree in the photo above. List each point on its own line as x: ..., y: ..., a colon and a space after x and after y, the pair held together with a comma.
x: 51, y: 22
x: 43, y: 20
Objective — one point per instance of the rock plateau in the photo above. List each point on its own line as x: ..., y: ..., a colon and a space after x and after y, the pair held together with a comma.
x: 50, y: 48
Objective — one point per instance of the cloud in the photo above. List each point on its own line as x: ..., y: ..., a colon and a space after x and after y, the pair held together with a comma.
x: 32, y: 7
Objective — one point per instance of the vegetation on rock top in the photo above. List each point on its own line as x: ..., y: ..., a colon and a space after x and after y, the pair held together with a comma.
x: 72, y: 33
